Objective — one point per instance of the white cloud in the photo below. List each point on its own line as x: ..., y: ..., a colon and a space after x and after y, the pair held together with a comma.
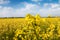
x: 51, y: 11
x: 37, y: 0
x: 4, y: 1
x: 29, y: 8
x: 55, y: 5
x: 10, y: 12
x: 51, y: 5
x: 6, y: 12
x: 46, y: 5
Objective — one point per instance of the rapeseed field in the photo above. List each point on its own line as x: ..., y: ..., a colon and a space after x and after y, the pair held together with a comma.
x: 30, y: 28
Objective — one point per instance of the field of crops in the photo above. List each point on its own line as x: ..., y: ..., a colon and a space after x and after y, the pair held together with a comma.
x: 30, y: 28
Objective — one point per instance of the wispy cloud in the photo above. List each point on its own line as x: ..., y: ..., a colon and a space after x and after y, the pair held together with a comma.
x: 6, y: 12
x: 37, y: 0
x: 21, y: 12
x: 4, y: 1
x: 53, y: 10
x: 51, y: 5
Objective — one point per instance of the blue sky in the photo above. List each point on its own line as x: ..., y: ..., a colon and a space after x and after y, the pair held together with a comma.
x: 19, y: 8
